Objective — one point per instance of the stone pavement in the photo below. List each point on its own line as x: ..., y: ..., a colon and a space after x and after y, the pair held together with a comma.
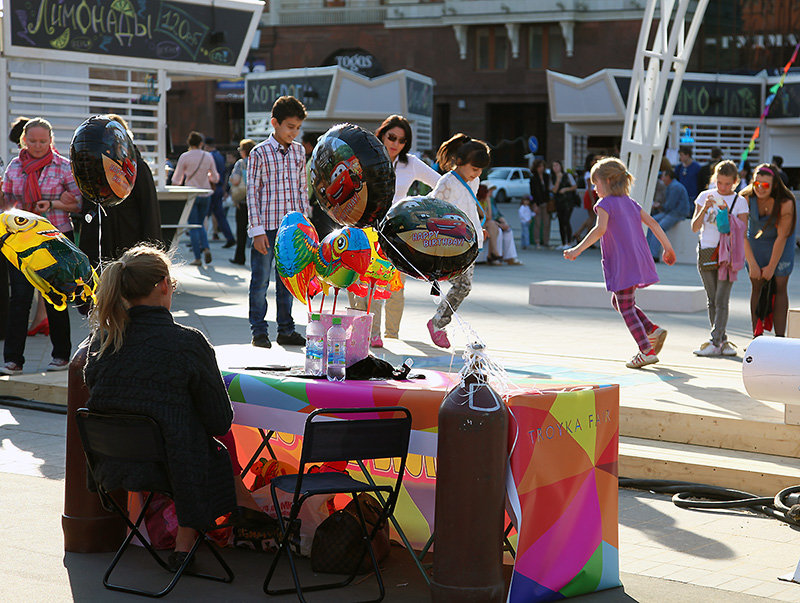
x: 666, y: 553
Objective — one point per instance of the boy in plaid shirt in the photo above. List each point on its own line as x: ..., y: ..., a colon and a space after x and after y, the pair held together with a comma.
x: 276, y: 185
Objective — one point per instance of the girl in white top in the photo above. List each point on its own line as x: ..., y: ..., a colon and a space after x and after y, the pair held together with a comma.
x: 395, y: 134
x: 466, y: 158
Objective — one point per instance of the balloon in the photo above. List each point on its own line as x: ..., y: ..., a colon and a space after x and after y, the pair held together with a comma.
x: 296, y: 245
x: 428, y: 238
x: 352, y: 176
x: 342, y: 256
x: 103, y: 160
x: 379, y: 272
x: 49, y: 260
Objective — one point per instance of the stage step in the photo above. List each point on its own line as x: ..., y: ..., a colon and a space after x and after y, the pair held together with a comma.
x: 581, y: 294
x: 761, y: 474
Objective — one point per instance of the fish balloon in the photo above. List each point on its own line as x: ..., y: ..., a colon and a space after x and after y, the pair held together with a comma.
x: 49, y: 260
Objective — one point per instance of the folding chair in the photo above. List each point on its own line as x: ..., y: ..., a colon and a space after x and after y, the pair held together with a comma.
x: 135, y: 439
x: 329, y: 439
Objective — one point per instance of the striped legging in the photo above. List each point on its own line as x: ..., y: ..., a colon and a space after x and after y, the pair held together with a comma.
x: 636, y: 321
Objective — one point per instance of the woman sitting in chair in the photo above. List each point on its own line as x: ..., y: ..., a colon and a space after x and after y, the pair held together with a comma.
x: 142, y: 362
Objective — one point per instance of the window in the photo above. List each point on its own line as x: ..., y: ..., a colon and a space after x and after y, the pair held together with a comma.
x: 515, y: 175
x: 491, y: 44
x: 545, y: 47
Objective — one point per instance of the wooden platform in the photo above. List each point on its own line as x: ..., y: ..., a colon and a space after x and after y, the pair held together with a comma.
x: 577, y: 294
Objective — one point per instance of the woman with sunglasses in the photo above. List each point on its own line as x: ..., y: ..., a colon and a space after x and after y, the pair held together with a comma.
x: 769, y: 247
x: 395, y: 134
x: 142, y: 362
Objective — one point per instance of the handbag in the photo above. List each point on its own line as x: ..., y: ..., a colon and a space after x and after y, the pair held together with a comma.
x: 339, y: 545
x: 239, y: 192
x: 708, y: 258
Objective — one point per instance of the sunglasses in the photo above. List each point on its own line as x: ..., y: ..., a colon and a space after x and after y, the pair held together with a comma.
x: 394, y: 138
x: 171, y: 280
x: 762, y: 185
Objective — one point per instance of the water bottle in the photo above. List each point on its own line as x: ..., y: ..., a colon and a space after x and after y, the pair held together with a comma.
x: 337, y: 348
x: 315, y: 342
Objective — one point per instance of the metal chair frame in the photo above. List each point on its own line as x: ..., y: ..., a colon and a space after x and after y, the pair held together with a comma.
x: 136, y: 438
x: 355, y: 440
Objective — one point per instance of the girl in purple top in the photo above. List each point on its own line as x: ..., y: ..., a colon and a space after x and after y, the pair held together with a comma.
x: 627, y: 262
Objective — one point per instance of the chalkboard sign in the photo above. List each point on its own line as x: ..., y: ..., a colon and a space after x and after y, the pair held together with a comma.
x: 171, y: 32
x: 420, y: 97
x: 709, y: 99
x: 261, y: 93
x: 786, y: 103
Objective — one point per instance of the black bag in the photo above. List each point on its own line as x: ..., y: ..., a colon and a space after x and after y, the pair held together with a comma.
x: 338, y: 544
x: 708, y: 258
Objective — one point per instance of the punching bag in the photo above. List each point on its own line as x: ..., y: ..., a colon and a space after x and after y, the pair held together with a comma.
x: 470, y: 492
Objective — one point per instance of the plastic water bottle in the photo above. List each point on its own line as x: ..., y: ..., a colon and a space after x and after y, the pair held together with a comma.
x: 337, y: 350
x: 315, y: 342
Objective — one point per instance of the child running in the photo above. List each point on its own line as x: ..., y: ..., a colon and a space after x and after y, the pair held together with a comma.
x: 627, y: 263
x: 466, y: 158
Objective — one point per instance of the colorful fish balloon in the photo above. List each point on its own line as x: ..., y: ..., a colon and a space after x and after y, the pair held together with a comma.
x: 49, y: 260
x: 296, y: 244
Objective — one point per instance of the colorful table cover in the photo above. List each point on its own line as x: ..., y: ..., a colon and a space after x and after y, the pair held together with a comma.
x: 562, y: 483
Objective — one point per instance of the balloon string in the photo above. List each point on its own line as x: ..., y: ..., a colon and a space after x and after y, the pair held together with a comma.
x: 369, y: 299
x: 321, y: 301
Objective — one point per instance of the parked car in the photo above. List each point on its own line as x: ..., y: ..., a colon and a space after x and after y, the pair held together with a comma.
x: 510, y: 182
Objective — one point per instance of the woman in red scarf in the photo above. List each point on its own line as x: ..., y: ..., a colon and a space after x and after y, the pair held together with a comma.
x: 39, y: 180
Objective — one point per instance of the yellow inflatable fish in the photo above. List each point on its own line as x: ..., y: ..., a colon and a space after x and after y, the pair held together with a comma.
x: 49, y: 260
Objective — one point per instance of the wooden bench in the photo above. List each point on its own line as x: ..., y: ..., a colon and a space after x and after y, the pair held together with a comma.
x: 578, y: 294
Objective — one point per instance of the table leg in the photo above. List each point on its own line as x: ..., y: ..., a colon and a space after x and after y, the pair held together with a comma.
x: 406, y: 543
x: 265, y: 437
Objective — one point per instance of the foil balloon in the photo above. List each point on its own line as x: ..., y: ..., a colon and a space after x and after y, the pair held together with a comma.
x: 49, y: 260
x: 103, y: 160
x: 352, y: 176
x: 296, y: 244
x: 428, y: 238
x: 342, y: 256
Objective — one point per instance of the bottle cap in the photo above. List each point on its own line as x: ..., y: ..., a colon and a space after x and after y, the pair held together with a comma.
x: 336, y: 321
x: 315, y: 317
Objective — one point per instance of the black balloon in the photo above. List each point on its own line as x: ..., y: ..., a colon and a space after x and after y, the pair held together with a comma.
x: 103, y: 160
x: 352, y: 176
x: 428, y: 238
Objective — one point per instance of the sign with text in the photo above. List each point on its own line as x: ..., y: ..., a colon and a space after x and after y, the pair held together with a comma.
x: 710, y: 99
x: 261, y: 93
x: 170, y: 34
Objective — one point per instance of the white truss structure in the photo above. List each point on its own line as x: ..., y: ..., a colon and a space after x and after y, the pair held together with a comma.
x: 654, y: 70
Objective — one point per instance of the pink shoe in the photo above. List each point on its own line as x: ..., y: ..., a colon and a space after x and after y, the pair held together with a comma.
x: 376, y: 342
x: 438, y: 336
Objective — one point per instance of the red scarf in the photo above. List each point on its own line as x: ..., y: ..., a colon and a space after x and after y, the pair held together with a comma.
x: 33, y: 170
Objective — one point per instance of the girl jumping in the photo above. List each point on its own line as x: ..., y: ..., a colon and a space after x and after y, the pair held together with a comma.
x: 466, y: 158
x: 627, y: 263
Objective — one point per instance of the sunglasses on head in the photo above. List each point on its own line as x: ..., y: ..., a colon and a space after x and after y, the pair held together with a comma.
x: 761, y: 185
x: 173, y: 282
x: 394, y: 138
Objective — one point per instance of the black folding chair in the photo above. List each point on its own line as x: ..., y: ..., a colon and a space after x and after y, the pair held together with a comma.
x: 331, y: 440
x: 136, y: 439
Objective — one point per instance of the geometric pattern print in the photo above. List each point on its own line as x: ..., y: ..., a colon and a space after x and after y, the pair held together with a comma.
x: 564, y: 469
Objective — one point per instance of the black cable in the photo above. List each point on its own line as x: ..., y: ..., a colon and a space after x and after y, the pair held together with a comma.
x: 689, y: 495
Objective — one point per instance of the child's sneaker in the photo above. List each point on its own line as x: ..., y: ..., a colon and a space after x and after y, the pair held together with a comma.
x: 657, y: 338
x: 729, y: 349
x: 438, y: 336
x: 707, y: 349
x: 641, y: 360
x: 10, y: 368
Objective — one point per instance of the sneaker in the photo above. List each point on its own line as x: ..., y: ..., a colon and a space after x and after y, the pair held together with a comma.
x: 58, y: 364
x: 293, y: 338
x: 729, y: 349
x: 657, y: 338
x: 207, y: 255
x: 641, y: 360
x: 197, y: 262
x: 438, y: 336
x: 11, y: 368
x: 260, y: 340
x: 376, y: 342
x: 707, y: 349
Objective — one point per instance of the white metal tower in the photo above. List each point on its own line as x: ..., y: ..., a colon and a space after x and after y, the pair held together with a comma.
x: 646, y: 126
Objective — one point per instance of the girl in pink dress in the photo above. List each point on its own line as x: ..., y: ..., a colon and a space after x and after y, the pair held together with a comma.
x: 627, y: 262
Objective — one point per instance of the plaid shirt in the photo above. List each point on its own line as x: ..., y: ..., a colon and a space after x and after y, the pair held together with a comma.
x: 276, y: 184
x: 54, y: 180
